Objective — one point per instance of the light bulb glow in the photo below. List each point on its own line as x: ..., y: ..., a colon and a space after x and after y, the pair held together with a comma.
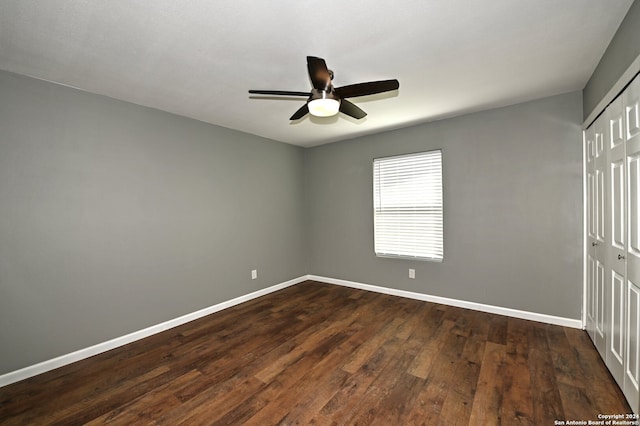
x: 325, y: 107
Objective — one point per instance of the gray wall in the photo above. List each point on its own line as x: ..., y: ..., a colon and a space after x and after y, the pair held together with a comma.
x: 115, y: 217
x: 512, y: 208
x: 623, y: 49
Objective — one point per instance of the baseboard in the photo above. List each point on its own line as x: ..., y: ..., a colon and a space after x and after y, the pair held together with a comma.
x: 43, y: 367
x: 532, y: 316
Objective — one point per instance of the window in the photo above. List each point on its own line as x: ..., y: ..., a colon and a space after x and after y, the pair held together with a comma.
x: 407, y: 206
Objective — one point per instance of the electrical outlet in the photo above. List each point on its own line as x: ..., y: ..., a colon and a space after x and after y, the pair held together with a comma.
x: 412, y: 274
x: 254, y: 274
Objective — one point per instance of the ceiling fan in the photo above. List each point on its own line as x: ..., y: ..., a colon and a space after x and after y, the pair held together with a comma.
x: 324, y: 100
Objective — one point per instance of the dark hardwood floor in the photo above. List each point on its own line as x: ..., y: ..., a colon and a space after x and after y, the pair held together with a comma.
x: 321, y: 354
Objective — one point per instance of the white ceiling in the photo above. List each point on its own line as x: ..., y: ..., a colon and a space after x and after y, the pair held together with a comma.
x: 198, y: 58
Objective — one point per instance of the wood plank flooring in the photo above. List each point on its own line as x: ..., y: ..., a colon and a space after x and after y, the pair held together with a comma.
x: 321, y: 354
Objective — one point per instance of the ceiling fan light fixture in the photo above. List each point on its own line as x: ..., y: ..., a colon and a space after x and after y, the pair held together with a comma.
x: 324, y: 100
x: 323, y: 104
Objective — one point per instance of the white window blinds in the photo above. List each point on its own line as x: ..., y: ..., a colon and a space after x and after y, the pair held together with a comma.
x: 407, y: 206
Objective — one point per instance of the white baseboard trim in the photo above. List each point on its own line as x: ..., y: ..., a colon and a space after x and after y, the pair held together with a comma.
x: 532, y: 316
x: 43, y: 367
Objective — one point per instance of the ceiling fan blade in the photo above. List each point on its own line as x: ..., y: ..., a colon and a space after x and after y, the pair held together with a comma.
x: 279, y: 92
x: 304, y: 110
x: 369, y: 88
x: 351, y: 109
x: 319, y: 73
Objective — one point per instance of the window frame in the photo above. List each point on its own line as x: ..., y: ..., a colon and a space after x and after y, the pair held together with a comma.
x: 434, y: 222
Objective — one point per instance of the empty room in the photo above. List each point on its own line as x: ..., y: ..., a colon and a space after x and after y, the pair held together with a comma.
x: 242, y: 212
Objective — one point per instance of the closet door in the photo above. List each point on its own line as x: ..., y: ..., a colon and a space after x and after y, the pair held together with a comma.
x: 616, y: 221
x: 596, y: 247
x: 631, y: 103
x: 590, y: 157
